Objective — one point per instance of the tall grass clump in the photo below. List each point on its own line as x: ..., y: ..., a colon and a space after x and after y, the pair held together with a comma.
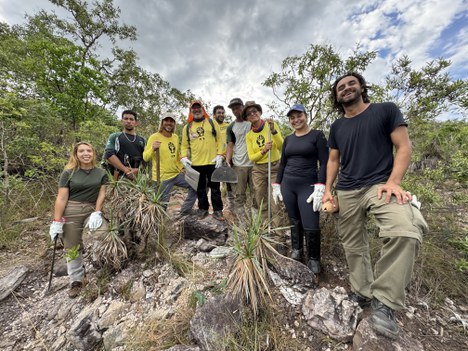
x: 248, y: 281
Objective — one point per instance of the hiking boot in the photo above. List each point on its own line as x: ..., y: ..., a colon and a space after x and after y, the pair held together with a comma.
x: 218, y: 215
x: 202, y: 213
x: 297, y: 255
x: 75, y: 289
x: 314, y: 266
x: 362, y: 301
x: 382, y: 320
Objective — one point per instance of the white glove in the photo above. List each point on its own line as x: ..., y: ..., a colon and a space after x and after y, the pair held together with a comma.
x: 276, y: 193
x: 316, y: 197
x: 186, y: 162
x: 218, y: 160
x: 415, y: 202
x: 56, y: 228
x: 95, y: 220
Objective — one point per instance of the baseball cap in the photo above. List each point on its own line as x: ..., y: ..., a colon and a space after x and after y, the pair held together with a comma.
x: 235, y: 101
x: 296, y: 107
x: 170, y: 115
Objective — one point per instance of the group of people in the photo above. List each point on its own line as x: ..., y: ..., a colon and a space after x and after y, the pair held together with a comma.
x: 302, y: 168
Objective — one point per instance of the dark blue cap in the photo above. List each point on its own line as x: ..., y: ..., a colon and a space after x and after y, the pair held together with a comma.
x: 297, y: 107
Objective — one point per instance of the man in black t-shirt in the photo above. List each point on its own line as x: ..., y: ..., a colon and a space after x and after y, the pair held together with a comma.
x: 362, y: 143
x: 124, y: 150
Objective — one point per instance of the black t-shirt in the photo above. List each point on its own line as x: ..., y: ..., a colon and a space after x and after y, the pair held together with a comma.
x: 365, y: 146
x: 300, y: 157
x: 128, y: 148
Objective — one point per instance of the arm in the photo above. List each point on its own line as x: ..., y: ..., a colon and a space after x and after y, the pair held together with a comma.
x: 148, y: 153
x: 114, y: 161
x: 333, y: 165
x: 254, y: 156
x: 60, y: 203
x: 219, y: 140
x: 229, y: 152
x: 322, y: 156
x: 282, y: 165
x: 184, y: 146
x: 276, y: 136
x: 402, y: 143
x: 100, y: 198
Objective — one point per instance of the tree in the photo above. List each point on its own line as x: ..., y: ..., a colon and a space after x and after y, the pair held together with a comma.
x: 307, y: 79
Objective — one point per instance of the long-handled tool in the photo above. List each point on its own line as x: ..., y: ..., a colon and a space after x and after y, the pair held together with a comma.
x: 158, y: 168
x: 52, y: 266
x: 269, y: 182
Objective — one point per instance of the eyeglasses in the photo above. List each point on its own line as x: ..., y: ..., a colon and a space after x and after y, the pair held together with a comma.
x: 251, y: 112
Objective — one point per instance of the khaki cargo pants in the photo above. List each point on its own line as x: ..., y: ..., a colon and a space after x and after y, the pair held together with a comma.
x: 400, y: 226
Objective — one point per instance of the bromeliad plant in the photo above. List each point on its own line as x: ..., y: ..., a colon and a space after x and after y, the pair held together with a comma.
x: 139, y: 210
x: 111, y: 250
x: 254, y: 249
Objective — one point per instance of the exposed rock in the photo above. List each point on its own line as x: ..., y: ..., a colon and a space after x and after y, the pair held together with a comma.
x: 365, y: 339
x: 205, y: 246
x: 221, y: 252
x: 212, y: 322
x: 207, y: 228
x: 331, y: 312
x: 10, y: 282
x: 115, y: 336
x: 84, y: 333
x: 112, y: 314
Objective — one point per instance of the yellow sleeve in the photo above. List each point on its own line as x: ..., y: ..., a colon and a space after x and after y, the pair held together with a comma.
x: 184, y: 146
x: 149, y: 153
x: 277, y: 138
x: 220, y: 149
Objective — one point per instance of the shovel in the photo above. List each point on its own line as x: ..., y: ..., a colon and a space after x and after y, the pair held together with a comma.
x: 192, y: 177
x: 224, y: 174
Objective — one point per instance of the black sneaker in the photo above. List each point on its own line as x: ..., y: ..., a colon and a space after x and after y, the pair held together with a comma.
x: 383, y: 321
x: 218, y: 215
x: 362, y: 301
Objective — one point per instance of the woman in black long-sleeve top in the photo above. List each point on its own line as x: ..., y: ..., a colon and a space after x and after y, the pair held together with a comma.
x: 300, y: 183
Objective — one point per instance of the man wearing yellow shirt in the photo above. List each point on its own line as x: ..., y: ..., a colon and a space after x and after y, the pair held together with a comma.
x: 258, y: 147
x: 167, y: 142
x: 219, y: 115
x: 202, y: 148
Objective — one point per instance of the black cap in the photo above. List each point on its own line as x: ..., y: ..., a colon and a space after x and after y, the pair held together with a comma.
x: 234, y: 102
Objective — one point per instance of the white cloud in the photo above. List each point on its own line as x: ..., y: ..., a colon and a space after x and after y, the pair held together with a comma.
x: 220, y: 50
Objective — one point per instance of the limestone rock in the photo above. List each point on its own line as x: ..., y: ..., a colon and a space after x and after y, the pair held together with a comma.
x: 212, y: 322
x: 84, y: 333
x: 331, y: 312
x: 10, y: 282
x: 207, y: 228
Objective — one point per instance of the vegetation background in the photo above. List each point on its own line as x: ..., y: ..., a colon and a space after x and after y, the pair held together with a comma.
x: 57, y: 87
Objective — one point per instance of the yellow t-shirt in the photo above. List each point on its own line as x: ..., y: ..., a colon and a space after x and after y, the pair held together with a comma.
x: 203, y: 145
x: 223, y: 128
x: 170, y: 165
x: 256, y: 142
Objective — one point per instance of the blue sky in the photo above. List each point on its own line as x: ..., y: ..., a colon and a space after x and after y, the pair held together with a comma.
x: 224, y: 49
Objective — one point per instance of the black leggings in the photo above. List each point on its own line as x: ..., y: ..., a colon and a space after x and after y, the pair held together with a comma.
x: 295, y: 192
x: 203, y: 184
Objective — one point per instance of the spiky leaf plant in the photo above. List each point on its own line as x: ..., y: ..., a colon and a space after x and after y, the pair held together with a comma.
x: 111, y: 250
x: 138, y: 209
x: 254, y: 249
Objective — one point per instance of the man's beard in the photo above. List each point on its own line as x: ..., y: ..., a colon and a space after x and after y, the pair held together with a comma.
x: 351, y: 101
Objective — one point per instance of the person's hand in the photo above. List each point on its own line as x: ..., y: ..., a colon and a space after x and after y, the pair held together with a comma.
x: 186, y: 162
x: 218, y: 160
x: 131, y: 173
x: 156, y: 145
x: 56, y: 228
x: 271, y: 124
x: 267, y: 147
x: 276, y: 193
x: 95, y: 220
x: 391, y: 188
x: 316, y: 197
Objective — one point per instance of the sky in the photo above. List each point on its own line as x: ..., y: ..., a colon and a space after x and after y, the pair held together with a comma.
x: 225, y: 49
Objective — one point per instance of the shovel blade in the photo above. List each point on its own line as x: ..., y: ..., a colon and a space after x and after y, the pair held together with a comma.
x: 192, y: 177
x: 224, y: 174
